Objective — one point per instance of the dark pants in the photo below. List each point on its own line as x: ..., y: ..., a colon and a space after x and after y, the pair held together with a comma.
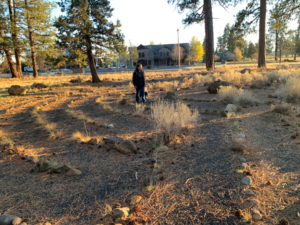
x: 140, y: 91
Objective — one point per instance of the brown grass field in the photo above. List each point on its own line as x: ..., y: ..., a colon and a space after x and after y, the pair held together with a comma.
x: 199, y: 178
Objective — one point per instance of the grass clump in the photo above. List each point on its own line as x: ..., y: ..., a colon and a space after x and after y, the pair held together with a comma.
x: 50, y: 127
x: 171, y: 95
x: 290, y: 90
x: 234, y: 95
x: 283, y: 108
x: 139, y: 109
x: 77, y: 135
x: 172, y: 118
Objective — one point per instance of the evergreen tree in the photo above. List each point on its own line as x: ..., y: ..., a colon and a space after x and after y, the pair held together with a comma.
x: 226, y: 36
x: 85, y: 26
x: 251, y: 50
x: 38, y: 29
x: 255, y: 12
x: 201, y: 12
x: 232, y: 40
x: 220, y: 45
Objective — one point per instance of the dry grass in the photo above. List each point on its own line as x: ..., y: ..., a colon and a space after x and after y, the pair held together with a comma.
x: 139, y: 109
x: 283, y: 108
x: 225, y: 68
x: 77, y: 135
x: 289, y: 90
x: 50, y: 127
x: 172, y: 118
x: 234, y: 95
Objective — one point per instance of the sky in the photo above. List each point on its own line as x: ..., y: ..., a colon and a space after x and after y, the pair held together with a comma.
x: 156, y: 20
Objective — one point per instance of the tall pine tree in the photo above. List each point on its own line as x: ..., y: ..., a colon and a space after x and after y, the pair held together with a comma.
x: 85, y: 26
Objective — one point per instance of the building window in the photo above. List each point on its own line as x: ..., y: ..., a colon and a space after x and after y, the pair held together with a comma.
x: 160, y: 53
x: 149, y: 62
x: 143, y: 55
x: 140, y: 55
x: 167, y: 53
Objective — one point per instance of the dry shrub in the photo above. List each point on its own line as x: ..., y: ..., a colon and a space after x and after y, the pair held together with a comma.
x: 139, y: 109
x: 159, y: 86
x: 235, y: 95
x: 232, y: 77
x: 283, y: 108
x: 172, y: 118
x: 50, y: 127
x: 291, y: 89
x: 224, y: 68
x: 168, y: 86
x: 271, y: 77
x: 171, y: 95
x: 258, y: 83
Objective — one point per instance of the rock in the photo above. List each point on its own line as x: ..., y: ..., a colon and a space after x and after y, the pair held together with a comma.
x: 74, y: 172
x: 245, y: 70
x: 23, y: 223
x: 113, y: 141
x: 39, y: 85
x: 241, y: 135
x: 246, y: 180
x: 161, y: 149
x: 177, y: 89
x: 230, y: 108
x: 120, y: 213
x: 135, y: 199
x: 232, y: 114
x: 45, y: 164
x: 243, y: 159
x: 17, y: 90
x: 213, y: 87
x: 249, y: 192
x: 79, y: 141
x: 127, y: 147
x: 244, y: 166
x: 223, y: 114
x: 7, y: 219
x: 64, y: 168
x: 149, y: 180
x: 93, y: 141
x: 256, y: 215
x: 16, y: 221
x: 250, y: 203
x: 110, y: 126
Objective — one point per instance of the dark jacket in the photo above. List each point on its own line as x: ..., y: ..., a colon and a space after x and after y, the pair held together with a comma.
x: 137, y: 80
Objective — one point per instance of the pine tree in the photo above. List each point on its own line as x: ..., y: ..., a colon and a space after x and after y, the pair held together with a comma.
x: 86, y: 27
x: 251, y: 50
x: 38, y: 29
x: 225, y: 37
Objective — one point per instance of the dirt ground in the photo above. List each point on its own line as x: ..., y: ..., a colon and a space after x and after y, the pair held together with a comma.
x: 200, y: 179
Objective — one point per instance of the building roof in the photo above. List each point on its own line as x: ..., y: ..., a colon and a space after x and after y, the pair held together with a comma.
x: 155, y: 48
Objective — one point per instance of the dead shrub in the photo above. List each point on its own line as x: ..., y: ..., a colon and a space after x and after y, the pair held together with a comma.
x: 159, y: 86
x: 224, y: 68
x: 171, y: 95
x: 39, y: 85
x: 289, y: 90
x: 283, y: 108
x: 139, y: 109
x: 233, y: 95
x: 172, y: 118
x: 258, y: 84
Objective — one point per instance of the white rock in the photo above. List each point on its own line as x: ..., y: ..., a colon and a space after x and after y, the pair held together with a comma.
x: 244, y: 166
x: 232, y: 114
x: 249, y: 192
x: 230, y: 108
x: 246, y: 180
x: 110, y: 126
x: 256, y: 214
x: 79, y: 141
x: 241, y: 135
x: 243, y: 159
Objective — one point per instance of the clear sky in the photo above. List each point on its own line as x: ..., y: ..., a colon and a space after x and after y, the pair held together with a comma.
x: 156, y: 20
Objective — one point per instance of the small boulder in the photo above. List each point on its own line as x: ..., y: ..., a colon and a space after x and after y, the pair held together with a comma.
x: 17, y: 221
x: 243, y: 159
x: 246, y: 180
x: 249, y: 192
x: 23, y: 223
x: 120, y: 213
x: 79, y: 141
x: 244, y: 166
x: 245, y: 70
x: 241, y: 135
x: 17, y: 90
x: 230, y: 108
x: 7, y: 219
x: 256, y: 215
x: 73, y: 172
x: 64, y: 168
x: 112, y: 141
x: 127, y: 147
x: 110, y: 126
x: 45, y: 164
x: 161, y: 149
x: 251, y: 203
x: 223, y: 114
x: 213, y: 87
x: 135, y: 199
x: 93, y: 141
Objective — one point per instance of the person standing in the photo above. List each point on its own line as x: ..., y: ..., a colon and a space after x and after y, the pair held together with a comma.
x: 139, y: 83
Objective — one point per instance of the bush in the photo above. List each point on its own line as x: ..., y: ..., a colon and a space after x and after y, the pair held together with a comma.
x: 289, y: 90
x: 172, y: 118
x: 234, y: 95
x: 283, y: 108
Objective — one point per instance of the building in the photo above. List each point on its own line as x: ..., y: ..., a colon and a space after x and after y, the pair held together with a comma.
x: 162, y: 55
x: 226, y: 55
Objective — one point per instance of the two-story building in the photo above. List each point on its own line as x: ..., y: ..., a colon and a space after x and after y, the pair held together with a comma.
x: 162, y: 55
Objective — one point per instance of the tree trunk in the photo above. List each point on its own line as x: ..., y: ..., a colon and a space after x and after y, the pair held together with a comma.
x: 9, y: 59
x: 262, y: 35
x: 276, y: 45
x: 280, y: 55
x: 295, y: 56
x: 31, y: 43
x: 12, y: 17
x: 95, y: 78
x: 209, y: 33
